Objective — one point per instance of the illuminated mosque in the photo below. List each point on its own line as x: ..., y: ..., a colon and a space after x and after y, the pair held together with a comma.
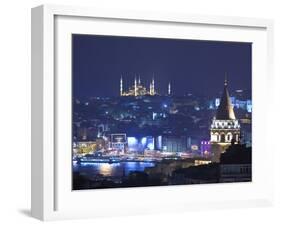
x: 140, y: 90
x: 225, y: 128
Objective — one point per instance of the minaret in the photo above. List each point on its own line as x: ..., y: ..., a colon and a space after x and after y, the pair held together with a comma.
x: 135, y: 86
x: 121, y: 86
x: 139, y: 80
x: 169, y: 89
x: 152, y: 87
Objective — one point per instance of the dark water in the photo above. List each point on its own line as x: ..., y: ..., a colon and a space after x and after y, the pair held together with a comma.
x: 110, y: 170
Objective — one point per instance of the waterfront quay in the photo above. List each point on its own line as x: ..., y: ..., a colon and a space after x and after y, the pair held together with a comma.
x: 105, y: 171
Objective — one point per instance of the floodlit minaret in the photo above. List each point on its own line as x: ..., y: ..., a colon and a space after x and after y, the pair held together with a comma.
x: 121, y: 86
x: 225, y: 79
x: 135, y: 86
x: 169, y: 89
x: 152, y: 87
x: 139, y: 80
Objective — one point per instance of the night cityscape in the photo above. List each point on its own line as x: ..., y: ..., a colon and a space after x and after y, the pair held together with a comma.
x: 154, y: 112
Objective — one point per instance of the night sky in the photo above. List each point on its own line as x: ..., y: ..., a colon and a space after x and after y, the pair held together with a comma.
x: 192, y: 66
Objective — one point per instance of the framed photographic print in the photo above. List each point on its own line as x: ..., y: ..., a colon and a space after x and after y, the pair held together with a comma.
x: 136, y: 112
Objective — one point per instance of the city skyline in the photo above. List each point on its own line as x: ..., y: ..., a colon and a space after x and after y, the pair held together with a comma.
x: 186, y: 64
x: 159, y: 112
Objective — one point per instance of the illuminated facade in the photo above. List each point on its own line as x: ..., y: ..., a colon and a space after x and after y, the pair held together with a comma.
x: 138, y: 89
x: 237, y: 103
x: 118, y: 142
x: 225, y: 128
x: 141, y: 144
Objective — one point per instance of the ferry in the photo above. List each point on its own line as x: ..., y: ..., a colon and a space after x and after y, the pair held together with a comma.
x: 98, y: 159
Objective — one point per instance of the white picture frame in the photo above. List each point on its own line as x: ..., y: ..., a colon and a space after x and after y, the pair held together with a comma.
x: 52, y: 197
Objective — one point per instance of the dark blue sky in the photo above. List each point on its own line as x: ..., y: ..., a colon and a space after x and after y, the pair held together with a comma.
x: 192, y: 66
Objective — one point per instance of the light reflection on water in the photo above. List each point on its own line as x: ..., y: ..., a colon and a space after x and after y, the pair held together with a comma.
x: 114, y: 169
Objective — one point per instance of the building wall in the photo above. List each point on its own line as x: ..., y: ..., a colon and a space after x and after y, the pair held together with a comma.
x: 235, y: 172
x: 174, y: 144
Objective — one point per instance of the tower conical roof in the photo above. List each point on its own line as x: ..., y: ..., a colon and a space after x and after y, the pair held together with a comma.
x: 225, y: 109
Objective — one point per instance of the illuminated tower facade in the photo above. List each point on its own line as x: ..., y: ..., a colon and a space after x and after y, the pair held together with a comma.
x: 225, y: 128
